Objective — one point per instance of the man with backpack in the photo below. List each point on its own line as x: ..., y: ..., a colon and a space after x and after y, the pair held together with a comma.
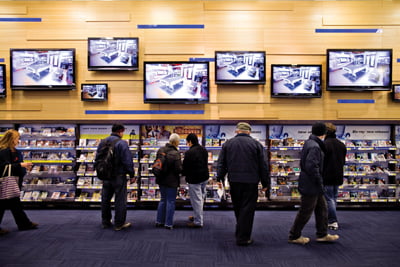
x: 116, y: 184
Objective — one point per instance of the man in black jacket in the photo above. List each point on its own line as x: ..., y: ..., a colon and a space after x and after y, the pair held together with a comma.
x: 243, y: 159
x: 335, y: 158
x: 311, y: 189
x: 195, y: 169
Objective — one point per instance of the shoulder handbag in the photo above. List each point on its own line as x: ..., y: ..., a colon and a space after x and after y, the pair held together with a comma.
x: 9, y: 184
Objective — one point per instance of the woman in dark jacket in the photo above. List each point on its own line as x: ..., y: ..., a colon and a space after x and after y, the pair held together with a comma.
x: 169, y: 183
x: 10, y: 155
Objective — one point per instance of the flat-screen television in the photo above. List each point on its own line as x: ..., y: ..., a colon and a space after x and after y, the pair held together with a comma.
x: 239, y: 67
x: 176, y: 82
x: 359, y: 70
x: 301, y: 81
x: 94, y: 91
x: 3, y: 88
x: 42, y: 69
x: 114, y: 53
x: 396, y: 93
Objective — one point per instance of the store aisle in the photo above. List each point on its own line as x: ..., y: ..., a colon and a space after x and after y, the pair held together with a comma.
x: 74, y: 238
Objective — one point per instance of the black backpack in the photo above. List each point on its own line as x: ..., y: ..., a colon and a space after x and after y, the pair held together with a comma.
x: 105, y: 159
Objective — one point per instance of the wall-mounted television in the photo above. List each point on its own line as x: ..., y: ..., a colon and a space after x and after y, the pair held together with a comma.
x: 94, y: 91
x: 296, y: 80
x: 359, y: 70
x: 396, y: 93
x: 239, y: 67
x: 113, y: 53
x: 3, y: 87
x: 42, y: 69
x: 176, y: 82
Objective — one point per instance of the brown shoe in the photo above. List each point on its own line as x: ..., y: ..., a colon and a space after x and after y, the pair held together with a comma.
x: 193, y: 225
x: 4, y: 231
x: 32, y: 226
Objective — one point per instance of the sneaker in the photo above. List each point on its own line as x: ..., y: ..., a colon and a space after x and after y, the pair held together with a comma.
x: 193, y: 225
x: 32, y: 226
x: 191, y: 218
x: 4, y: 231
x: 168, y: 227
x: 333, y: 226
x: 301, y: 240
x: 159, y: 225
x: 245, y: 243
x: 125, y: 225
x: 328, y: 238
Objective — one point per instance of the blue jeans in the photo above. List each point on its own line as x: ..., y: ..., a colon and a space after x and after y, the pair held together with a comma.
x: 331, y: 194
x: 166, y: 206
x: 197, y: 193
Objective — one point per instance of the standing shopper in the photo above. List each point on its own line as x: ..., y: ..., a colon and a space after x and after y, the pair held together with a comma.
x: 10, y: 155
x: 311, y: 189
x: 122, y: 165
x: 169, y: 182
x: 195, y: 168
x: 335, y: 158
x: 243, y: 159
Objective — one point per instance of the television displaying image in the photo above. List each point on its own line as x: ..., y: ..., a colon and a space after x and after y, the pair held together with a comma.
x: 359, y: 69
x: 94, y: 91
x: 114, y: 53
x: 3, y: 88
x: 296, y: 80
x: 396, y: 93
x: 239, y: 67
x: 176, y: 82
x: 42, y: 69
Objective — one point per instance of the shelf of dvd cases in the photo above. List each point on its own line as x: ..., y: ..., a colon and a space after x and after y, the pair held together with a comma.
x: 51, y: 149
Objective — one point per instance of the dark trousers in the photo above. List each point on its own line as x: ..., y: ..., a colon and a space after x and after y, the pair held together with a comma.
x: 244, y: 200
x: 15, y: 206
x: 310, y: 204
x: 117, y: 187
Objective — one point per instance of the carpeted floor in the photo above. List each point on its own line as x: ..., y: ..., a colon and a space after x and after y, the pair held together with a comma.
x: 74, y: 238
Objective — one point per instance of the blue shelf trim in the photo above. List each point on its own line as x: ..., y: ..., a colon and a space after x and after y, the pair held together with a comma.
x: 202, y: 59
x: 21, y: 19
x: 348, y: 30
x: 170, y: 26
x: 122, y: 112
x: 356, y: 101
x: 398, y: 60
x: 1, y: 59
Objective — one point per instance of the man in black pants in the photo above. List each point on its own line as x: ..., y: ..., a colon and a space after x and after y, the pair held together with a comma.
x: 123, y: 165
x: 242, y: 158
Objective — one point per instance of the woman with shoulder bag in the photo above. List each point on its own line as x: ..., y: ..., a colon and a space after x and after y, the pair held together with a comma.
x: 10, y: 155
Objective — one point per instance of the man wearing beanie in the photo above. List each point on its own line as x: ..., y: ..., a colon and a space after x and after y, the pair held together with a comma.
x: 311, y: 189
x: 242, y: 158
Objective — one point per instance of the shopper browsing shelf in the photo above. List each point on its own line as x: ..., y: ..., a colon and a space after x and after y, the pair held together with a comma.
x: 311, y: 189
x: 242, y: 159
x: 10, y: 155
x: 195, y: 169
x: 169, y: 182
x: 116, y: 185
x: 335, y: 158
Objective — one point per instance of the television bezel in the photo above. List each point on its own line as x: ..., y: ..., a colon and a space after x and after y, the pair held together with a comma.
x: 49, y: 87
x: 112, y: 68
x: 175, y: 100
x: 4, y: 81
x: 294, y: 95
x: 393, y: 93
x: 356, y: 88
x: 238, y: 81
x: 94, y: 99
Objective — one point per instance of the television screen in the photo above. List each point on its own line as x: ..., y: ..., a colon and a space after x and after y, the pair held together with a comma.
x: 239, y: 67
x: 296, y: 80
x: 176, y: 82
x: 396, y: 93
x: 94, y: 91
x: 42, y: 69
x: 3, y: 88
x: 115, y: 53
x: 359, y: 69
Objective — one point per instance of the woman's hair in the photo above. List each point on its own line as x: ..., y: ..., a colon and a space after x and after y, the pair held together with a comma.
x: 174, y: 139
x: 7, y: 141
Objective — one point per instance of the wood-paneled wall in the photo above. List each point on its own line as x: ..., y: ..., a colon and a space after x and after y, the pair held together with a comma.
x: 284, y: 29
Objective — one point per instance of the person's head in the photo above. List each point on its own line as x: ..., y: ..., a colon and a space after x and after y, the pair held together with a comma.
x: 10, y: 139
x: 243, y: 127
x: 118, y: 129
x: 174, y: 139
x: 330, y: 128
x: 192, y: 139
x: 319, y: 129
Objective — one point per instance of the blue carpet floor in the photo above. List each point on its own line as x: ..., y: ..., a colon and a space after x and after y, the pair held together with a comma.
x: 74, y: 238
